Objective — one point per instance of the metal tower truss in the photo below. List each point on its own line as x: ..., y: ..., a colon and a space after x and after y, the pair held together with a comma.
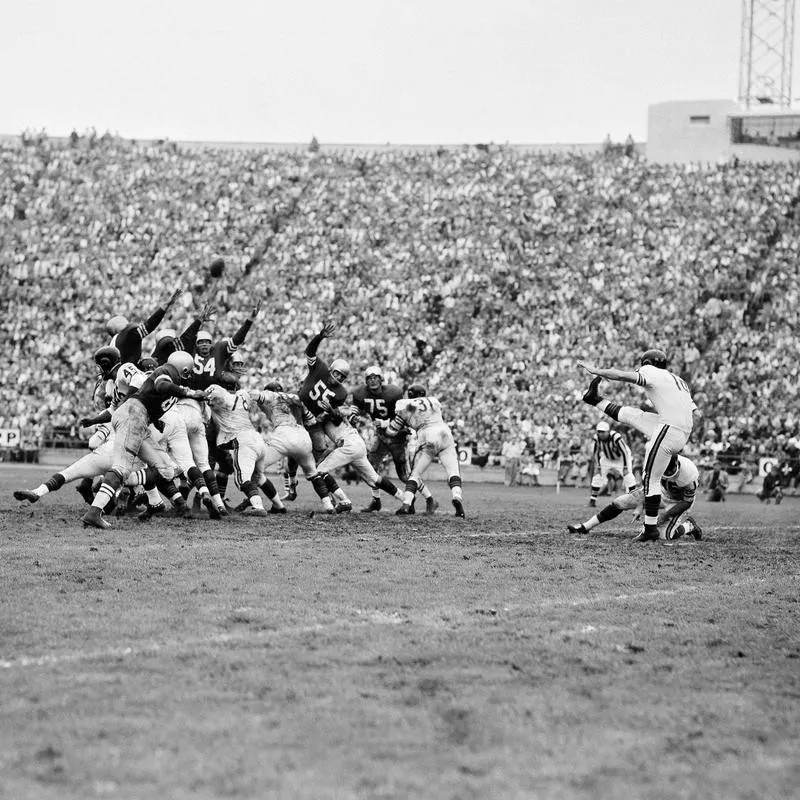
x: 767, y: 46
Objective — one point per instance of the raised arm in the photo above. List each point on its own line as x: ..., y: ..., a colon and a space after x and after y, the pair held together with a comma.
x: 611, y: 374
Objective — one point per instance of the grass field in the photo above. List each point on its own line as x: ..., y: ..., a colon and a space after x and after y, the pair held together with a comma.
x: 369, y: 656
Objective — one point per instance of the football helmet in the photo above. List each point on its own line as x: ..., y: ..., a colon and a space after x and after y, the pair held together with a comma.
x: 147, y: 364
x: 236, y: 363
x: 274, y: 386
x: 183, y: 362
x: 417, y: 390
x: 166, y: 333
x: 342, y: 367
x: 107, y: 358
x: 203, y: 342
x: 116, y: 324
x: 373, y: 377
x: 655, y: 357
x: 603, y: 427
x: 228, y: 380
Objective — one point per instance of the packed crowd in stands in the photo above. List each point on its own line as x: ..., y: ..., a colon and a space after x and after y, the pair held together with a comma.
x: 484, y: 272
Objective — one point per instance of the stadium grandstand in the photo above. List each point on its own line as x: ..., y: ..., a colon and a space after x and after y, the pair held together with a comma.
x: 483, y: 271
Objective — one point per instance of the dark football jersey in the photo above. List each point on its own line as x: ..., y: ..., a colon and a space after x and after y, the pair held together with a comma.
x: 318, y: 385
x: 206, y: 367
x: 157, y: 404
x: 129, y: 343
x: 378, y: 405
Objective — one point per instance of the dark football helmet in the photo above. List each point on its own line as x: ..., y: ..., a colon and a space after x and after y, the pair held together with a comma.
x: 228, y: 380
x: 107, y: 358
x: 657, y: 358
x: 417, y: 390
x: 274, y: 386
x: 147, y: 364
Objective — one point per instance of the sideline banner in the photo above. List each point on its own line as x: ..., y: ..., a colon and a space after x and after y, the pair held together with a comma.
x: 10, y: 437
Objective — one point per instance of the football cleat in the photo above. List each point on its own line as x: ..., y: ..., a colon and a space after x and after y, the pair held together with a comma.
x: 593, y: 501
x: 591, y: 395
x: 697, y: 531
x: 291, y: 493
x: 123, y: 498
x: 344, y: 508
x: 403, y: 510
x: 243, y: 506
x: 26, y: 494
x: 459, y: 507
x: 152, y: 511
x: 254, y: 512
x: 577, y: 528
x: 94, y: 518
x: 431, y: 504
x: 375, y: 505
x: 213, y: 511
x: 277, y: 510
x: 647, y: 535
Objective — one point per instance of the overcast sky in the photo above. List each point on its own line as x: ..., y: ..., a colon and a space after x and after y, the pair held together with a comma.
x: 361, y: 71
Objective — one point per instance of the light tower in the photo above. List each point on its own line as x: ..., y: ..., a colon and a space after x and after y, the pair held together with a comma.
x: 767, y: 46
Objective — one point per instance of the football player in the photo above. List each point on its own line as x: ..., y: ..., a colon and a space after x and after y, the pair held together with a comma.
x: 168, y: 341
x: 230, y: 410
x: 130, y: 423
x: 377, y: 400
x: 322, y: 387
x: 678, y: 489
x: 611, y: 459
x: 127, y: 337
x: 667, y: 428
x: 349, y: 450
x: 423, y: 414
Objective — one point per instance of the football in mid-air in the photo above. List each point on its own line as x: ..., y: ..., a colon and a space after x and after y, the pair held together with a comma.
x: 217, y: 267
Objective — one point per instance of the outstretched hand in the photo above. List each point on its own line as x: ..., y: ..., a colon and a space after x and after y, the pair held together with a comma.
x: 206, y: 312
x: 256, y: 309
x: 590, y: 368
x: 328, y: 329
x: 173, y: 297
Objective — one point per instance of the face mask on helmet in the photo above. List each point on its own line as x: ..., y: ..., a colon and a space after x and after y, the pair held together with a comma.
x: 107, y: 358
x: 203, y: 343
x: 339, y: 369
x: 416, y: 390
x: 373, y: 378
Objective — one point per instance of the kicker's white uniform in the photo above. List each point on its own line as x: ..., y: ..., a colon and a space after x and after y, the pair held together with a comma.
x: 668, y: 428
x: 235, y: 432
x: 423, y: 415
x: 288, y: 437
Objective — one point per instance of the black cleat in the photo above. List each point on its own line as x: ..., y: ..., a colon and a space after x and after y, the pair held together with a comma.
x: 291, y: 493
x: 577, y: 528
x: 344, y: 508
x: 277, y: 510
x: 26, y: 494
x: 211, y: 507
x: 375, y: 505
x: 459, y: 507
x: 591, y: 395
x: 431, y: 504
x: 697, y: 531
x: 647, y: 535
x: 152, y: 511
x: 243, y: 506
x: 403, y: 511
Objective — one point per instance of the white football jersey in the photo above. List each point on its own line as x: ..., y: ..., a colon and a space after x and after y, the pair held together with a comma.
x: 669, y: 395
x: 129, y: 379
x: 280, y: 408
x: 230, y: 411
x: 418, y: 412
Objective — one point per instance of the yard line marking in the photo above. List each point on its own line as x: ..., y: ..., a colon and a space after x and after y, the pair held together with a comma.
x: 357, y: 618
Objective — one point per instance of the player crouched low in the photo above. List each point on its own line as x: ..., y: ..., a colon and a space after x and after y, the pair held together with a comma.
x: 678, y: 488
x: 423, y: 414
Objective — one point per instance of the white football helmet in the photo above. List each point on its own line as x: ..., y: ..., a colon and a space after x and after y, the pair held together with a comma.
x: 370, y: 376
x: 183, y: 362
x: 116, y: 324
x: 603, y: 427
x: 342, y: 367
